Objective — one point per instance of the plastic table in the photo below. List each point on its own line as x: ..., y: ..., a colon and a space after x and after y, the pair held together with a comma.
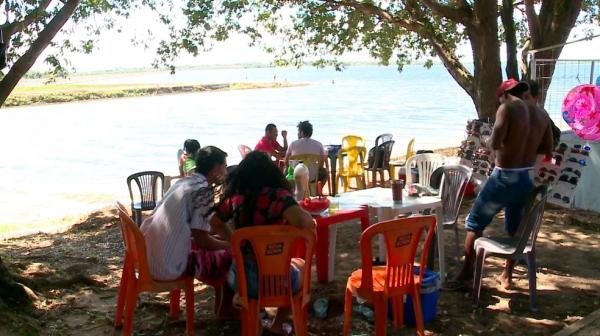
x: 380, y: 200
x: 326, y: 237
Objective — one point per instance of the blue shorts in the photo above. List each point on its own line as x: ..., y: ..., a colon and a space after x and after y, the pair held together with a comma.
x: 505, y: 189
x: 251, y: 268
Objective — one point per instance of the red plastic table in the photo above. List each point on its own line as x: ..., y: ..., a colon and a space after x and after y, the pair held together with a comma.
x: 325, y: 264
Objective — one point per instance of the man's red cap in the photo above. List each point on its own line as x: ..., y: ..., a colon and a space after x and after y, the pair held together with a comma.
x: 510, y: 84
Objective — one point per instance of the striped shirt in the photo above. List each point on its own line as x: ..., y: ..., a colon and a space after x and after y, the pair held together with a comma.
x: 167, y: 232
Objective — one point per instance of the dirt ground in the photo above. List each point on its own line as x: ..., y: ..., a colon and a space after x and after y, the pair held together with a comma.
x: 80, y: 273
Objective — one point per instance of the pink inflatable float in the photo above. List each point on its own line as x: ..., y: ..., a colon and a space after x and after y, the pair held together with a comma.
x: 581, y: 111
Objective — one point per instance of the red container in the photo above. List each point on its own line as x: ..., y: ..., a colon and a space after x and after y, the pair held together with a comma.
x: 315, y: 205
x: 468, y: 189
x: 397, y: 186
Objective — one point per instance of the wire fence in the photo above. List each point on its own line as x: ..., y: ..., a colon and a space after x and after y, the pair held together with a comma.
x: 567, y: 75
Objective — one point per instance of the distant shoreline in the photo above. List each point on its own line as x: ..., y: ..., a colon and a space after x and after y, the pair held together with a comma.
x: 65, y: 93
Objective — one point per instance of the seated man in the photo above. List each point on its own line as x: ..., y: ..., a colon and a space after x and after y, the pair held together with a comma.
x: 268, y: 143
x: 306, y: 145
x: 182, y: 217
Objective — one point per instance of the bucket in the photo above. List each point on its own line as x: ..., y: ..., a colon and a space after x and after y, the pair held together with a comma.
x: 468, y: 189
x: 430, y: 294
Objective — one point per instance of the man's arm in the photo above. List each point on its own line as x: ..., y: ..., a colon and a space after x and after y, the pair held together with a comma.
x: 221, y: 228
x: 326, y: 162
x: 500, y: 128
x: 204, y: 240
x: 325, y: 158
x: 181, y: 161
x: 285, y: 143
x: 547, y: 144
x: 286, y: 159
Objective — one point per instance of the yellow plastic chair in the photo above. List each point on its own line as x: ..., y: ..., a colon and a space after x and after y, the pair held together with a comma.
x: 410, y: 152
x: 313, y: 162
x: 351, y: 163
x: 350, y: 141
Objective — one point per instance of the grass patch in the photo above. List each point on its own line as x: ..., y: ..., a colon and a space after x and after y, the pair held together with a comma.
x: 63, y: 93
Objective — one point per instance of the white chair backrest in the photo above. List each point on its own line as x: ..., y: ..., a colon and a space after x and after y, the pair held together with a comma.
x: 425, y: 164
x: 532, y: 221
x: 453, y: 181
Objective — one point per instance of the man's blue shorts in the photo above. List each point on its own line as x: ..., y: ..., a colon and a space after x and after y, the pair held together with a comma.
x: 251, y: 268
x: 507, y: 189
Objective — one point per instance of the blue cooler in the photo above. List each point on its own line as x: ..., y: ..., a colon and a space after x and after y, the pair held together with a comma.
x: 430, y: 294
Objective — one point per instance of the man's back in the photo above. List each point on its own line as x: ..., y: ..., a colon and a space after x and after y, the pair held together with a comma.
x: 306, y: 146
x: 167, y: 232
x: 522, y: 132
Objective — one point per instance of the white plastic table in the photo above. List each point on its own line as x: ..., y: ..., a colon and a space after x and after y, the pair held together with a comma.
x: 380, y: 199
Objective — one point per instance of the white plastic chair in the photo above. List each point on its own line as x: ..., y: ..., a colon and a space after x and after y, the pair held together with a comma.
x: 520, y: 247
x: 425, y: 164
x: 244, y: 150
x: 455, y: 177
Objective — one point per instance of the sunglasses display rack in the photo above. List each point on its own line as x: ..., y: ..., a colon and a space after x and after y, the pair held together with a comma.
x: 563, y: 172
x: 474, y: 152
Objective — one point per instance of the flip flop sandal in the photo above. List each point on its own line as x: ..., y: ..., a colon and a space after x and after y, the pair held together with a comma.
x: 286, y: 329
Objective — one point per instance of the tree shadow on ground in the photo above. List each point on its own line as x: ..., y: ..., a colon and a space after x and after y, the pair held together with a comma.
x: 568, y: 282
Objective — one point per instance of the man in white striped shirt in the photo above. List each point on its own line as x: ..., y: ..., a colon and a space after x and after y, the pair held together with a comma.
x: 182, y: 217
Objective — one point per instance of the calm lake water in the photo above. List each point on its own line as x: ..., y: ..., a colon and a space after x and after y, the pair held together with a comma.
x: 68, y: 159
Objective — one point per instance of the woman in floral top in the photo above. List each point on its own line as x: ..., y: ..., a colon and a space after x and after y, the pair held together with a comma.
x: 257, y: 193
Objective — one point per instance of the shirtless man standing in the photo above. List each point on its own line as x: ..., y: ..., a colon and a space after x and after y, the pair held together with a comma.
x: 521, y: 131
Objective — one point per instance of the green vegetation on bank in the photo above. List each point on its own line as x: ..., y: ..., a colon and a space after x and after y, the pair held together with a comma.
x: 62, y: 93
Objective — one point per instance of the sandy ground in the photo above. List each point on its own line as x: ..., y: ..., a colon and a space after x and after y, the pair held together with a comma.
x: 83, y: 265
x: 79, y: 272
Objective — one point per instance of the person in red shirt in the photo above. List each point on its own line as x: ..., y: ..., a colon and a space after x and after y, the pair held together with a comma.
x: 269, y: 144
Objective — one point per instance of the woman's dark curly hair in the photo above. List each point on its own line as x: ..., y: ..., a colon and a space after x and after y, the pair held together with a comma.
x: 255, y: 172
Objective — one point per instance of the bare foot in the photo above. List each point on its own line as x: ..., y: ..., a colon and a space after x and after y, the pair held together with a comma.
x: 280, y: 324
x: 505, y: 280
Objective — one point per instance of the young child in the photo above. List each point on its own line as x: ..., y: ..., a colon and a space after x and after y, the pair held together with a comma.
x: 187, y: 163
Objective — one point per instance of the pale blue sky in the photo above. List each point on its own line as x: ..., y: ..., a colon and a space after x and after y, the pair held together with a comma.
x: 116, y: 50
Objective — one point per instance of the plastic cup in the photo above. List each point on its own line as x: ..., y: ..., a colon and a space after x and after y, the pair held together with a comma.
x: 320, y: 307
x: 334, y: 204
x: 397, y: 186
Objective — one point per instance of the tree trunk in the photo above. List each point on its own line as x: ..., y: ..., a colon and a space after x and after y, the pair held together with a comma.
x: 10, y: 292
x: 510, y: 35
x: 487, y: 72
x: 26, y: 61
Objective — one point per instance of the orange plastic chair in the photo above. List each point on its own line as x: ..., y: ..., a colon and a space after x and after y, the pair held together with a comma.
x: 136, y: 279
x: 397, y: 278
x: 273, y: 247
x: 244, y: 150
x: 351, y: 163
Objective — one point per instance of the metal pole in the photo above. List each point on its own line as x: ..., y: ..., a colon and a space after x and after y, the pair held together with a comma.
x: 592, y: 73
x: 588, y: 38
x: 533, y: 67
